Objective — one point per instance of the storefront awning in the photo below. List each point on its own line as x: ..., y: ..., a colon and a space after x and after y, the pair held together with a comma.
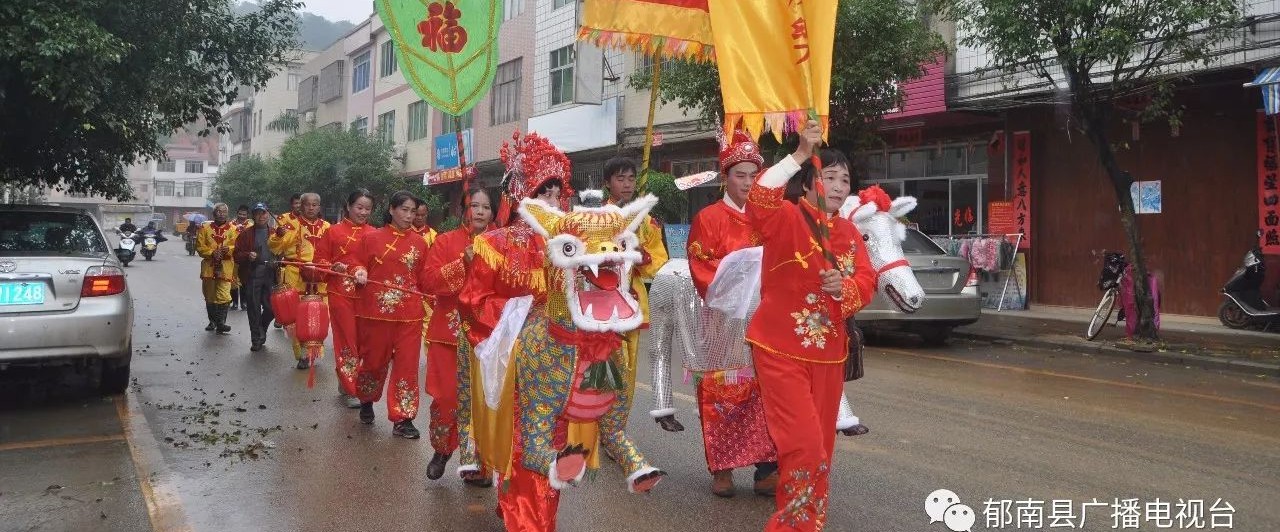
x: 1269, y: 80
x: 1268, y: 76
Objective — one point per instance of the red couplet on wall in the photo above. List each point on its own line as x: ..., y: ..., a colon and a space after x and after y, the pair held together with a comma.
x: 1021, y: 197
x: 1268, y: 189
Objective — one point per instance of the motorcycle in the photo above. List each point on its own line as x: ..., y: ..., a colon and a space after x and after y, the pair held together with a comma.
x: 127, y: 249
x: 190, y: 243
x: 150, y: 239
x: 1244, y: 306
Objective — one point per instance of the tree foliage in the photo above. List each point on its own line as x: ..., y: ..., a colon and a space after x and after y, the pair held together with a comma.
x: 88, y: 87
x: 673, y: 204
x: 329, y: 162
x: 876, y: 42
x: 1093, y: 52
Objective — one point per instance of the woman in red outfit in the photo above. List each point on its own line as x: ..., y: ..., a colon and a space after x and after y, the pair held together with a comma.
x: 390, y: 315
x: 812, y: 280
x: 446, y: 272
x: 335, y: 250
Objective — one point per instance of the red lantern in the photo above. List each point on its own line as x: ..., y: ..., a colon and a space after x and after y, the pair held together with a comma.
x: 311, y: 329
x: 284, y: 303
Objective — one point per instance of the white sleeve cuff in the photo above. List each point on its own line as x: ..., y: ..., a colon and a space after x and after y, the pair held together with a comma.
x: 778, y: 174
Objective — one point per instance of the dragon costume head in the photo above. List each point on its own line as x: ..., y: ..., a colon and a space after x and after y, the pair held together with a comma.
x: 592, y: 251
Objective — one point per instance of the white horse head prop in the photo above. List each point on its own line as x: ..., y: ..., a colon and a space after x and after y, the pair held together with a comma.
x: 876, y: 217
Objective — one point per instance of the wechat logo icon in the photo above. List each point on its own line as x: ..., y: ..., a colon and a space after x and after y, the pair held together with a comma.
x: 944, y: 506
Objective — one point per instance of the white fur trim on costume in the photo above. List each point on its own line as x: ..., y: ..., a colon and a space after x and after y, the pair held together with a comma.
x: 589, y: 194
x: 847, y: 422
x: 902, y: 205
x: 632, y: 478
x: 464, y: 469
x: 662, y: 412
x: 554, y: 479
x: 778, y: 174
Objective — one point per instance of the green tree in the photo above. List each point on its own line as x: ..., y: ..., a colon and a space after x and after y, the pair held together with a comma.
x: 876, y: 42
x: 88, y: 87
x: 1093, y: 52
x: 329, y: 162
x: 673, y: 203
x: 248, y: 181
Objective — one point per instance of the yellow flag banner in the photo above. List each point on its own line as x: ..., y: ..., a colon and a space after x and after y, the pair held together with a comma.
x: 774, y: 58
x: 668, y: 28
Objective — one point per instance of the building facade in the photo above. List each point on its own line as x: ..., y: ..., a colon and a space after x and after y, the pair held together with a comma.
x: 988, y: 155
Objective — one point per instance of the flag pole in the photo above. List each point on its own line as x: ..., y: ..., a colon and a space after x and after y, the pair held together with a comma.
x: 656, y: 62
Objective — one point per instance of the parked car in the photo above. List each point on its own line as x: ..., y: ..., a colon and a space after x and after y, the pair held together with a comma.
x: 951, y: 294
x: 63, y: 295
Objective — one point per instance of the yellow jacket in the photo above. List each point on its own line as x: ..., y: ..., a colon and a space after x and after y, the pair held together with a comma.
x: 210, y: 239
x: 650, y: 236
x: 297, y: 244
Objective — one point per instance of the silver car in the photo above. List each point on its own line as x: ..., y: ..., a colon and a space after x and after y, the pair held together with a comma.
x: 951, y: 294
x: 63, y: 296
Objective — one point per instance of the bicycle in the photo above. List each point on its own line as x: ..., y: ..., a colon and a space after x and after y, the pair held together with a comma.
x: 1115, y: 265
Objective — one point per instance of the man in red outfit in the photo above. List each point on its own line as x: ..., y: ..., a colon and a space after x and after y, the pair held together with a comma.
x: 734, y: 434
x: 815, y: 273
x: 389, y: 315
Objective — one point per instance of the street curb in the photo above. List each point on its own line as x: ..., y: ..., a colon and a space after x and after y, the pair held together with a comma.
x: 1103, y: 348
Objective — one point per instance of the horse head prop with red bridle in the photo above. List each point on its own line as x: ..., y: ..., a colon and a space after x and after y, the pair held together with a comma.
x: 878, y: 219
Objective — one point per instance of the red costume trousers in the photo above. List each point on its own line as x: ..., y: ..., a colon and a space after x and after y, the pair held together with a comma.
x: 801, y: 402
x: 442, y: 384
x: 394, y: 346
x: 526, y: 500
x: 342, y: 315
x: 734, y: 432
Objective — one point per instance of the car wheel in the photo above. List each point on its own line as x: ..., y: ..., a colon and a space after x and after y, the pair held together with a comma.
x: 936, y: 337
x: 115, y: 374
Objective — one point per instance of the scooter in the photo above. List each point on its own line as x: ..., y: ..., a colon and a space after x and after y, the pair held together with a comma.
x: 190, y: 243
x: 127, y: 249
x: 149, y: 241
x: 1244, y: 306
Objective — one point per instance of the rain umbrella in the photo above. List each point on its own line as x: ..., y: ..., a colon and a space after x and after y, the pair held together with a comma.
x: 195, y: 217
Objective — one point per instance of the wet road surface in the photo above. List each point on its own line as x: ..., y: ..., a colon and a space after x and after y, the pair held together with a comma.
x: 213, y: 437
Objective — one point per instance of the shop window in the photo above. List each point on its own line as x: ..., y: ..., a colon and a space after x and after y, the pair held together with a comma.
x: 977, y: 159
x: 947, y: 161
x: 933, y: 210
x: 907, y: 164
x: 875, y: 166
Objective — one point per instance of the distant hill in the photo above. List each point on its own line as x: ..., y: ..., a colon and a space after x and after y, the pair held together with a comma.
x: 314, y: 31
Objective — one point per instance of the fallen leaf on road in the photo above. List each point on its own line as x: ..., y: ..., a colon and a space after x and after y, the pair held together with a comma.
x: 262, y: 407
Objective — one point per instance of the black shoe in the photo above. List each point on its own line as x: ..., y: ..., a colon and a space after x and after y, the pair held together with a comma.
x: 366, y: 413
x: 435, y: 469
x: 304, y: 363
x: 256, y: 347
x: 210, y: 327
x: 405, y: 429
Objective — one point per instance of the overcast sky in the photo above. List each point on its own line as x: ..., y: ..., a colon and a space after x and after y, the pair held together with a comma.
x: 350, y: 10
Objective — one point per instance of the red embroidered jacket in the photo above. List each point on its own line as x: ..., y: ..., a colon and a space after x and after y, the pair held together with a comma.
x: 796, y: 318
x: 397, y: 258
x: 339, y: 246
x: 509, y: 262
x: 445, y: 274
x: 717, y: 231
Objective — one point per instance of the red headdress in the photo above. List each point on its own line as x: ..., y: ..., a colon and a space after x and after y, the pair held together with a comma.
x: 741, y: 149
x: 531, y: 161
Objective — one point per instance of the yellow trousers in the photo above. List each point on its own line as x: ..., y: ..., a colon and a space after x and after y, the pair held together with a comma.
x: 216, y: 292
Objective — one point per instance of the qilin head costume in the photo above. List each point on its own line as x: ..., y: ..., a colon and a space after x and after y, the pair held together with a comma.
x: 548, y: 373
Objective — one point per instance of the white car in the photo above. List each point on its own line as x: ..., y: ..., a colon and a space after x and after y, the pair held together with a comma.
x: 63, y: 296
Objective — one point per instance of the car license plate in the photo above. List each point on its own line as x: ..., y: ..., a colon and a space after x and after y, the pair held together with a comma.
x: 21, y: 293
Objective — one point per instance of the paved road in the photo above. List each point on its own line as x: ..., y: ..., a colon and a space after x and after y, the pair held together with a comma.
x: 213, y: 437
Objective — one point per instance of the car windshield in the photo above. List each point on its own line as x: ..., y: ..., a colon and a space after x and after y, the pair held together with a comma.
x: 49, y: 232
x: 918, y: 244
